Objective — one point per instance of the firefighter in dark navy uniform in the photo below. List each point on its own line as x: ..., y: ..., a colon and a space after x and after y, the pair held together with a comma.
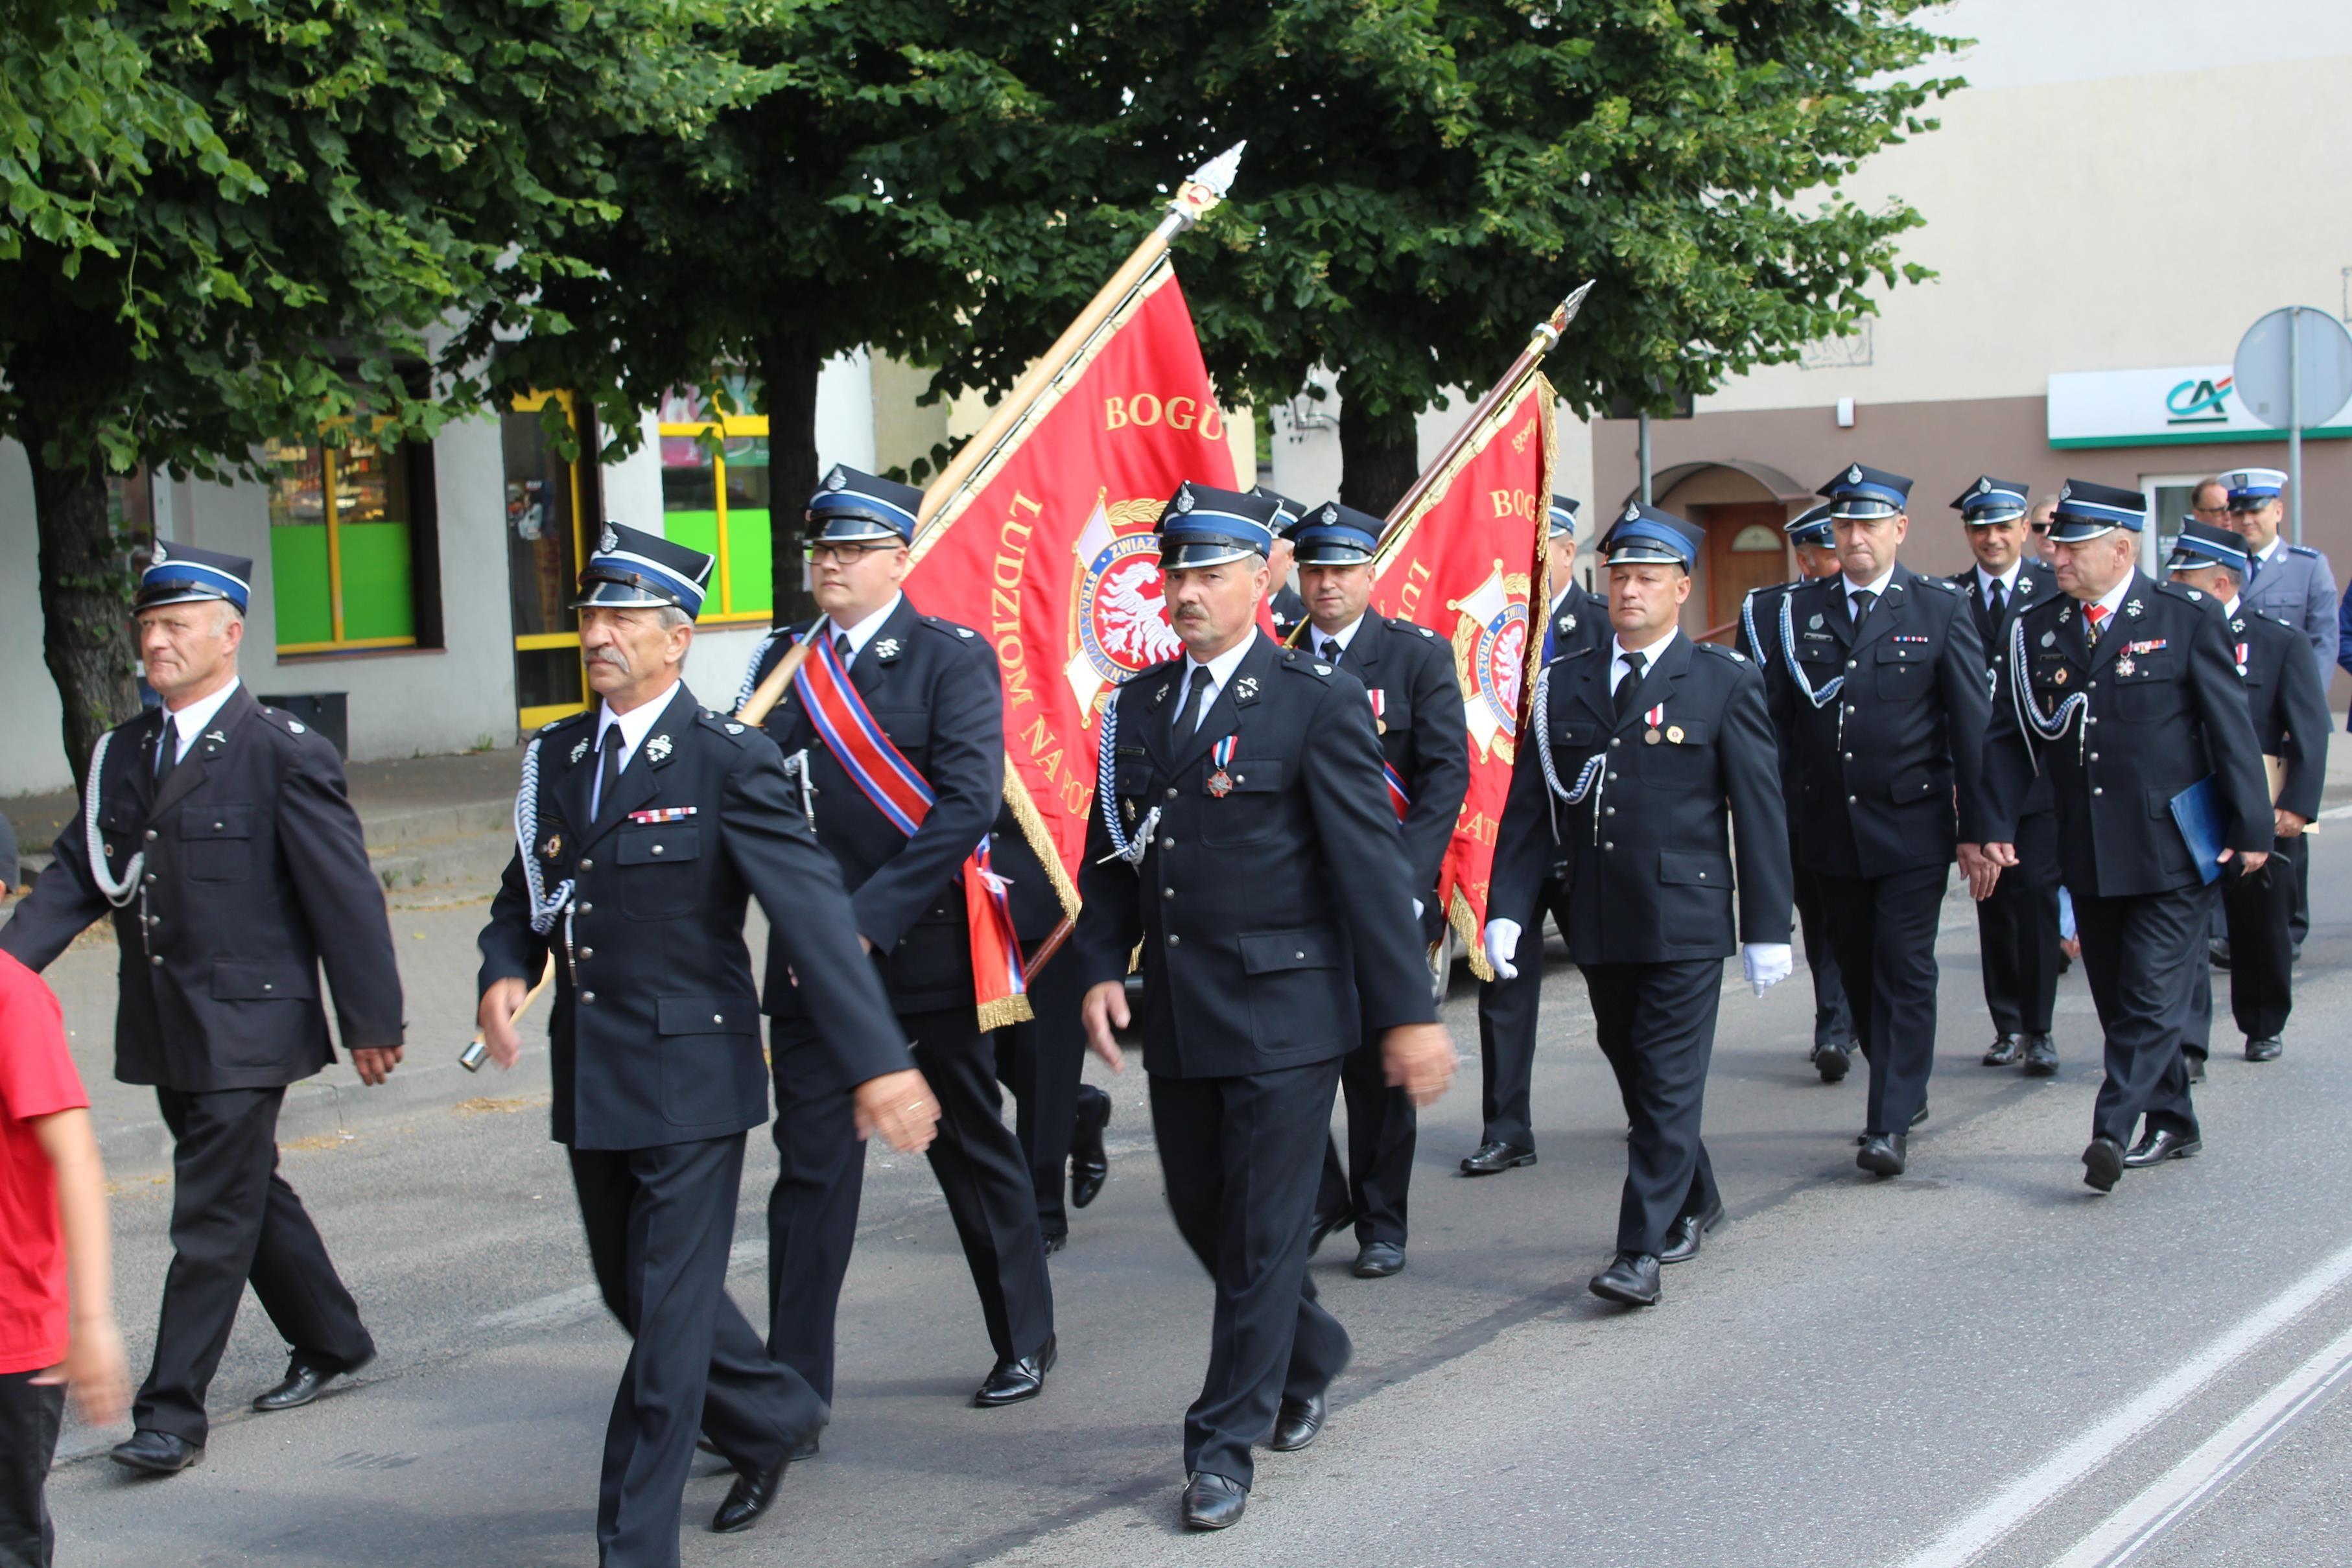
x: 217, y: 833
x: 2290, y: 714
x: 2017, y: 923
x: 933, y: 692
x: 1885, y: 712
x: 1416, y: 701
x: 642, y: 826
x: 1242, y: 839
x: 2126, y: 693
x: 1815, y: 546
x: 1648, y: 748
x: 1507, y: 1008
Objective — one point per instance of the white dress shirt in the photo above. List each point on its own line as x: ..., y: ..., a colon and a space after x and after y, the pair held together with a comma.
x: 1877, y: 590
x: 2008, y: 580
x: 192, y: 721
x: 1343, y: 636
x: 862, y: 632
x: 1619, y: 669
x: 1221, y: 670
x: 634, y: 726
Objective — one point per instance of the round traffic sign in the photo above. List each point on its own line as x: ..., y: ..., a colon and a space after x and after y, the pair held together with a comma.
x: 2320, y: 351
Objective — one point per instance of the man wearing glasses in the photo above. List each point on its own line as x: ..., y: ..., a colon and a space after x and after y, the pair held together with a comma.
x: 2209, y: 501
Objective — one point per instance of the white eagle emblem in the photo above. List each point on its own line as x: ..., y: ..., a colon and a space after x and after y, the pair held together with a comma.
x: 1118, y: 616
x: 836, y: 480
x: 160, y: 555
x: 609, y: 540
x: 1854, y: 474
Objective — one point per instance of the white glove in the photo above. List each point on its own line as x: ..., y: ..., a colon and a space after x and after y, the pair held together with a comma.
x: 1502, y: 941
x: 1416, y: 909
x: 1766, y: 964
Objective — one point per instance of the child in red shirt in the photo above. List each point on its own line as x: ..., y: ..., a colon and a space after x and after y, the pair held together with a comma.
x: 52, y: 1232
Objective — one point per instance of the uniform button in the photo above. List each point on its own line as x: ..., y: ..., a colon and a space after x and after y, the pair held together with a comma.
x: 151, y: 879
x: 1849, y: 664
x: 1174, y: 940
x: 1608, y: 843
x: 587, y: 865
x: 1848, y: 756
x: 2095, y: 756
x: 587, y: 909
x: 2095, y: 686
x: 1171, y: 793
x: 587, y: 996
x: 1850, y: 800
x: 1165, y: 842
x: 587, y: 952
x: 1608, y: 811
x: 657, y: 849
x: 1702, y: 876
x: 717, y: 1018
x: 157, y: 960
x: 1612, y: 778
x: 2096, y: 790
x: 267, y: 987
x: 1166, y: 892
x: 1300, y: 952
x: 1241, y: 778
x: 150, y: 835
x: 1613, y: 740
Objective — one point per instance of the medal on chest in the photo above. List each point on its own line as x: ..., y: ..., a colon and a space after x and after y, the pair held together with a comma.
x: 1653, y: 719
x: 1221, y: 783
x: 1379, y: 708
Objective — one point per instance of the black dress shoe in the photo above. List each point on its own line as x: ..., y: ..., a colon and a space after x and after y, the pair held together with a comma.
x: 2195, y: 1060
x: 1378, y: 1260
x: 1011, y: 1381
x: 2041, y: 1056
x: 1831, y: 1062
x: 2265, y: 1049
x: 1883, y: 1155
x: 2103, y: 1163
x: 1056, y: 1243
x: 1630, y: 1277
x: 157, y: 1453
x: 2218, y: 950
x: 1298, y: 1424
x: 2155, y: 1148
x: 748, y: 1498
x: 1089, y: 1164
x: 1213, y: 1502
x: 1495, y: 1157
x: 302, y: 1384
x: 2004, y: 1051
x: 1682, y: 1237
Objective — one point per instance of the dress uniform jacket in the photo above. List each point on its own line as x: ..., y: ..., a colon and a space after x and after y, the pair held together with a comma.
x: 1876, y: 767
x: 2035, y: 585
x: 1254, y: 968
x: 934, y: 689
x: 1578, y: 615
x: 1417, y: 712
x: 255, y: 874
x: 2296, y: 586
x: 2290, y: 712
x: 654, y: 1037
x: 1650, y: 858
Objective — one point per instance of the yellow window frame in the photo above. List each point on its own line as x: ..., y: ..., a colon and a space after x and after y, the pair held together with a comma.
x: 332, y: 521
x: 529, y: 719
x: 719, y: 431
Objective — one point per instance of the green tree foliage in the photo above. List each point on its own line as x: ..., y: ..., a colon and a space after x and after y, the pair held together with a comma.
x: 229, y: 220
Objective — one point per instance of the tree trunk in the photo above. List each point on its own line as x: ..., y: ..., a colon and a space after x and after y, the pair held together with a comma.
x: 789, y: 363
x: 84, y: 604
x: 1379, y: 459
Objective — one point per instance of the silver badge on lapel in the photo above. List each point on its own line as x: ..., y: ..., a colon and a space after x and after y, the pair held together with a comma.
x: 2024, y: 583
x: 2132, y: 609
x: 1160, y: 696
x: 887, y: 649
x: 216, y: 738
x: 1245, y: 687
x: 1566, y: 623
x: 658, y: 748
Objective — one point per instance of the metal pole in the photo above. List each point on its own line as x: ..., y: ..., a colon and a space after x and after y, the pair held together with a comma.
x: 1645, y: 456
x: 2295, y: 421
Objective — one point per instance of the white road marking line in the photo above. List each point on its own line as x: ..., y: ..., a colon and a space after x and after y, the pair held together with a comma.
x: 2023, y: 1498
x: 2216, y: 1460
x: 2335, y: 813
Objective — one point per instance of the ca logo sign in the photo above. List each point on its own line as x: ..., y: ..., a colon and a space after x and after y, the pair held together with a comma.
x: 2199, y: 401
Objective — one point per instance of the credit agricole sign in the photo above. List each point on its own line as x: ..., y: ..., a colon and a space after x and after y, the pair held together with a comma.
x: 2171, y: 406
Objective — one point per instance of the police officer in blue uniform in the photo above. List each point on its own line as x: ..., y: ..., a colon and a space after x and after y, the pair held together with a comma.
x: 216, y: 832
x: 2290, y: 714
x: 1646, y: 750
x: 1815, y: 546
x: 1508, y: 1007
x: 2293, y: 583
x: 934, y: 690
x: 1242, y: 839
x: 642, y: 826
x: 1884, y: 705
x: 1416, y: 702
x: 2017, y: 923
x: 2126, y: 693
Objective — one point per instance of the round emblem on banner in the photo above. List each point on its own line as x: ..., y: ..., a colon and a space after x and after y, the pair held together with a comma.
x: 1122, y: 609
x: 1499, y: 659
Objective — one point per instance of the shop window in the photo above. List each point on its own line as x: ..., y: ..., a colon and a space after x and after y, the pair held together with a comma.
x: 351, y: 549
x: 715, y: 498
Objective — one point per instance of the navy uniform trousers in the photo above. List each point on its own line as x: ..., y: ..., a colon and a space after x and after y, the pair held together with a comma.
x: 2141, y: 954
x: 2017, y: 933
x: 1657, y: 1026
x: 2258, y: 911
x: 1043, y: 1062
x: 1833, y: 1015
x: 1506, y: 1024
x: 1884, y: 931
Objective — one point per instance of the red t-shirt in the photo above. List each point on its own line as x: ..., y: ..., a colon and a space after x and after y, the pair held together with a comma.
x: 37, y: 1078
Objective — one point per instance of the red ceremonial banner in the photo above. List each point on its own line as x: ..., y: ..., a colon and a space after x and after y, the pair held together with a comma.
x: 1053, y: 556
x: 1465, y: 563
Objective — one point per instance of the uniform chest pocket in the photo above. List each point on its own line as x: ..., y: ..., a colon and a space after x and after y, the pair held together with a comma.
x: 1820, y: 654
x: 909, y: 729
x: 2152, y: 687
x: 1238, y: 809
x: 1902, y: 669
x: 1672, y: 764
x: 216, y: 843
x: 657, y: 870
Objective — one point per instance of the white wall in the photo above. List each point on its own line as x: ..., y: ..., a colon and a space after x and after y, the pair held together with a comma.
x: 32, y: 757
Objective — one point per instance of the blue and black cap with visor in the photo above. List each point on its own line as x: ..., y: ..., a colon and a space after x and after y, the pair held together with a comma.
x: 1864, y: 494
x: 851, y: 507
x: 1334, y: 535
x: 631, y: 569
x: 1203, y: 526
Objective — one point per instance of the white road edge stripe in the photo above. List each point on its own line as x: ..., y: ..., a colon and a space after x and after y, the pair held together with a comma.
x: 2023, y: 1497
x: 2335, y: 813
x: 2219, y: 1457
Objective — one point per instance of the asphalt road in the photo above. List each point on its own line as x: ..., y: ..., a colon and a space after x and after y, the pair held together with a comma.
x: 1980, y: 1362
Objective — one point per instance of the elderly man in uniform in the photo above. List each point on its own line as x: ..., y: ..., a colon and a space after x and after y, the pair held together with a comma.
x: 218, y: 831
x: 1815, y: 546
x: 2290, y: 714
x: 1508, y: 1007
x: 896, y: 691
x: 2017, y: 921
x: 1884, y: 705
x: 1243, y: 838
x: 2293, y: 583
x: 2124, y: 692
x: 1416, y: 702
x: 1644, y: 755
x: 642, y: 828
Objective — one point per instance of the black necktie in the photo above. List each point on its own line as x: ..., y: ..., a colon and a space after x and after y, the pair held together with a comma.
x: 1331, y: 649
x: 1860, y: 605
x: 1196, y: 699
x: 1627, y: 685
x: 167, y: 752
x: 608, y: 770
x: 1994, y: 598
x: 841, y: 646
